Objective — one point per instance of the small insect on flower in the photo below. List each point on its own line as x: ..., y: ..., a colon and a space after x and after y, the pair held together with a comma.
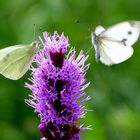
x: 16, y: 60
x: 58, y: 84
x: 113, y: 45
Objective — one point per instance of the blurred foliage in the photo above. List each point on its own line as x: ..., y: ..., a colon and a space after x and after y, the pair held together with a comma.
x: 115, y: 90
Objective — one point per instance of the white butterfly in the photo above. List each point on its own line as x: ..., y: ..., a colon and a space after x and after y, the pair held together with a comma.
x: 16, y: 60
x: 113, y: 45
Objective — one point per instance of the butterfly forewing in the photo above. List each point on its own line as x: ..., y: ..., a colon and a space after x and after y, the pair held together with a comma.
x: 126, y: 32
x: 15, y: 60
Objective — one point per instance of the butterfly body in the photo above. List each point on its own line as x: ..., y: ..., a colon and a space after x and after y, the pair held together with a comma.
x: 96, y: 42
x: 113, y: 45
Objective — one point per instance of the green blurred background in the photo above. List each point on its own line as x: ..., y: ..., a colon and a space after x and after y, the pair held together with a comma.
x: 115, y: 90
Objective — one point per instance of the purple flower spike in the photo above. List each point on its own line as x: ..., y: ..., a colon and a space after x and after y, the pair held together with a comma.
x: 57, y: 89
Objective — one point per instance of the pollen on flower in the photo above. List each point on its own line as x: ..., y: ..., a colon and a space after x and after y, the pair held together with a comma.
x: 57, y: 88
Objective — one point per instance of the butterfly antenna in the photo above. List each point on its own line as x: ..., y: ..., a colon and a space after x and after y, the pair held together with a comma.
x: 34, y: 31
x: 89, y: 50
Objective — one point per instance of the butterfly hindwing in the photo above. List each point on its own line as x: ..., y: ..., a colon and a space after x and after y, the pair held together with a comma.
x: 114, y: 52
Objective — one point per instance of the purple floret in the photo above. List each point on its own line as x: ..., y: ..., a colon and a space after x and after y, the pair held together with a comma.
x: 57, y: 88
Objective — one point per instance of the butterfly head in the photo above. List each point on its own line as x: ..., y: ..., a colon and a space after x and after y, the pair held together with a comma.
x: 96, y: 43
x: 95, y: 39
x: 96, y: 35
x: 35, y: 44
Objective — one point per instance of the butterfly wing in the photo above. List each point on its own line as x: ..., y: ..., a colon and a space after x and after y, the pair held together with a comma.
x: 112, y: 52
x: 127, y: 32
x: 115, y: 42
x: 99, y: 29
x: 16, y: 60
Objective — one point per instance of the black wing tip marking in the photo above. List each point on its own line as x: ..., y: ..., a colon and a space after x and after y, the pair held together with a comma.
x: 134, y: 23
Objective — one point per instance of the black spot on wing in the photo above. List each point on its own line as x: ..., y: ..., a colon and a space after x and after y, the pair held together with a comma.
x: 129, y: 32
x: 124, y: 41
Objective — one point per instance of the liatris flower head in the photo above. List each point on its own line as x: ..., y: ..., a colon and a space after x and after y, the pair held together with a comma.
x: 57, y: 87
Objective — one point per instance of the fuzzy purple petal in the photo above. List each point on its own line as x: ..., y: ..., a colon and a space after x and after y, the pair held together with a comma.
x: 57, y: 88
